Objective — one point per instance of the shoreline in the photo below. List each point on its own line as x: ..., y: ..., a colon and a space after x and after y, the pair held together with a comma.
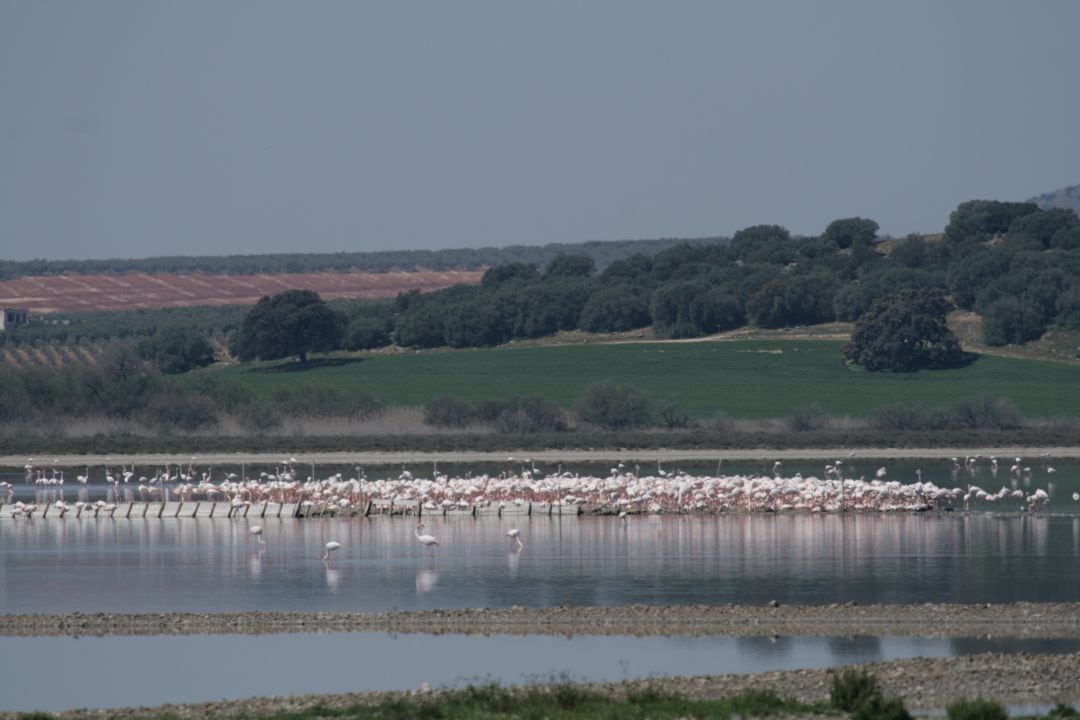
x: 1014, y: 620
x: 924, y: 684
x: 1013, y: 679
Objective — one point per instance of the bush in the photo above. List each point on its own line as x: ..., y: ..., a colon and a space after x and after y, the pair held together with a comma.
x: 449, y: 411
x: 879, y: 707
x: 324, y: 400
x: 719, y: 422
x: 258, y: 416
x: 852, y: 688
x: 985, y: 413
x: 807, y: 419
x: 367, y: 333
x: 978, y: 709
x: 187, y: 413
x: 672, y: 415
x: 612, y: 407
x: 899, y: 418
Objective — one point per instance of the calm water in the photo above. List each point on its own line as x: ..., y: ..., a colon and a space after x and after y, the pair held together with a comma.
x: 64, y: 673
x: 115, y: 565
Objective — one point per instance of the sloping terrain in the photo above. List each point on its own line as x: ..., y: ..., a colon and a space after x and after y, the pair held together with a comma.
x: 1068, y: 198
x: 130, y: 291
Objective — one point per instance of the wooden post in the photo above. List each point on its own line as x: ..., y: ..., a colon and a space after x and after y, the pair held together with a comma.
x: 196, y: 513
x: 213, y: 506
x: 146, y: 506
x: 280, y: 505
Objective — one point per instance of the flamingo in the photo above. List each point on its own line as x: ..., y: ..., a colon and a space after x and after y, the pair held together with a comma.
x: 256, y: 531
x: 516, y: 535
x: 427, y: 540
x: 331, y: 547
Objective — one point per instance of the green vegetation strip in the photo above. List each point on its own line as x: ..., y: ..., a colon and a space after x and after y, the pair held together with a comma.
x: 745, y: 379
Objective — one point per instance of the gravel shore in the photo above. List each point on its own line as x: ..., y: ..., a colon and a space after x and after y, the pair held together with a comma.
x: 1017, y: 620
x: 1013, y: 679
x: 1019, y: 680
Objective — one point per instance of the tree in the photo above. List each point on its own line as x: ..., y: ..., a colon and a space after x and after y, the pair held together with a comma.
x: 1042, y: 225
x: 176, y: 350
x: 905, y: 331
x: 984, y: 218
x: 1012, y: 321
x: 295, y: 322
x: 847, y: 232
x: 562, y: 266
x: 614, y: 309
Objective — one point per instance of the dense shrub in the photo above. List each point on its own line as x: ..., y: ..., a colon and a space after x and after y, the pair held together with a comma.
x: 983, y: 413
x: 449, y: 411
x: 900, y: 418
x: 808, y: 418
x: 367, y: 333
x: 978, y: 709
x: 186, y: 413
x: 258, y: 416
x: 611, y: 406
x: 880, y: 707
x: 851, y: 688
x: 672, y: 415
x: 324, y: 400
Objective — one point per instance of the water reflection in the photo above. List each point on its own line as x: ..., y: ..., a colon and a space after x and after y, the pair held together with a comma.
x: 153, y: 565
x: 340, y: 662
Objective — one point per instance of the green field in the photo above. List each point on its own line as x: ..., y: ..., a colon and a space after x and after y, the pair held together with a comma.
x: 746, y: 379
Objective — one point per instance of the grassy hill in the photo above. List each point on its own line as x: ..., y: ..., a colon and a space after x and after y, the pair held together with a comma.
x: 744, y: 378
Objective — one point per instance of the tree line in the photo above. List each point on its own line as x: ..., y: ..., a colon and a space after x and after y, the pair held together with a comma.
x: 1016, y: 265
x: 602, y: 252
x: 1013, y: 263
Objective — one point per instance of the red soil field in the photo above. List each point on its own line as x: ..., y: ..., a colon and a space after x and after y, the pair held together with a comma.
x: 130, y: 291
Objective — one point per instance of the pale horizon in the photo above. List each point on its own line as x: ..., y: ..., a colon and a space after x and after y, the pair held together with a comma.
x: 145, y: 129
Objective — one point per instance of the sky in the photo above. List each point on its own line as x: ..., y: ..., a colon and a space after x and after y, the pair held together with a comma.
x: 143, y: 128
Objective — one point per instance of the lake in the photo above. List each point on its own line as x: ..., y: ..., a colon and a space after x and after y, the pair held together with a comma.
x: 58, y: 673
x: 213, y: 564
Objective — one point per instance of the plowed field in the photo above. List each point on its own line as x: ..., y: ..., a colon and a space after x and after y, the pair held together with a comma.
x: 66, y: 293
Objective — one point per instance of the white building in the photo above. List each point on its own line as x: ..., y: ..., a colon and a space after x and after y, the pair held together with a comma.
x: 10, y: 318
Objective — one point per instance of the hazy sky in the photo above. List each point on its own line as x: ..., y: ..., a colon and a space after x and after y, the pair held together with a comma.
x: 141, y: 128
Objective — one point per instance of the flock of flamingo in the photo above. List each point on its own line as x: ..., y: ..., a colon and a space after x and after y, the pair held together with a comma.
x: 624, y: 491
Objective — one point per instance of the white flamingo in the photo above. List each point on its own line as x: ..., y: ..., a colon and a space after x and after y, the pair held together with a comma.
x: 426, y: 540
x: 331, y: 547
x: 256, y: 532
x: 515, y: 534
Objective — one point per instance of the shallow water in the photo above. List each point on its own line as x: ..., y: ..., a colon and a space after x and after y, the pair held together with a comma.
x: 64, y: 673
x: 205, y: 565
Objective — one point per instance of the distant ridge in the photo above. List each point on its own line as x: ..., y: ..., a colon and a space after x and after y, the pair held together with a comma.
x: 1068, y: 198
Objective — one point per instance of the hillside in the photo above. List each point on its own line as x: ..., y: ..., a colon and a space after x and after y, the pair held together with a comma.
x: 1068, y: 198
x: 139, y: 290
